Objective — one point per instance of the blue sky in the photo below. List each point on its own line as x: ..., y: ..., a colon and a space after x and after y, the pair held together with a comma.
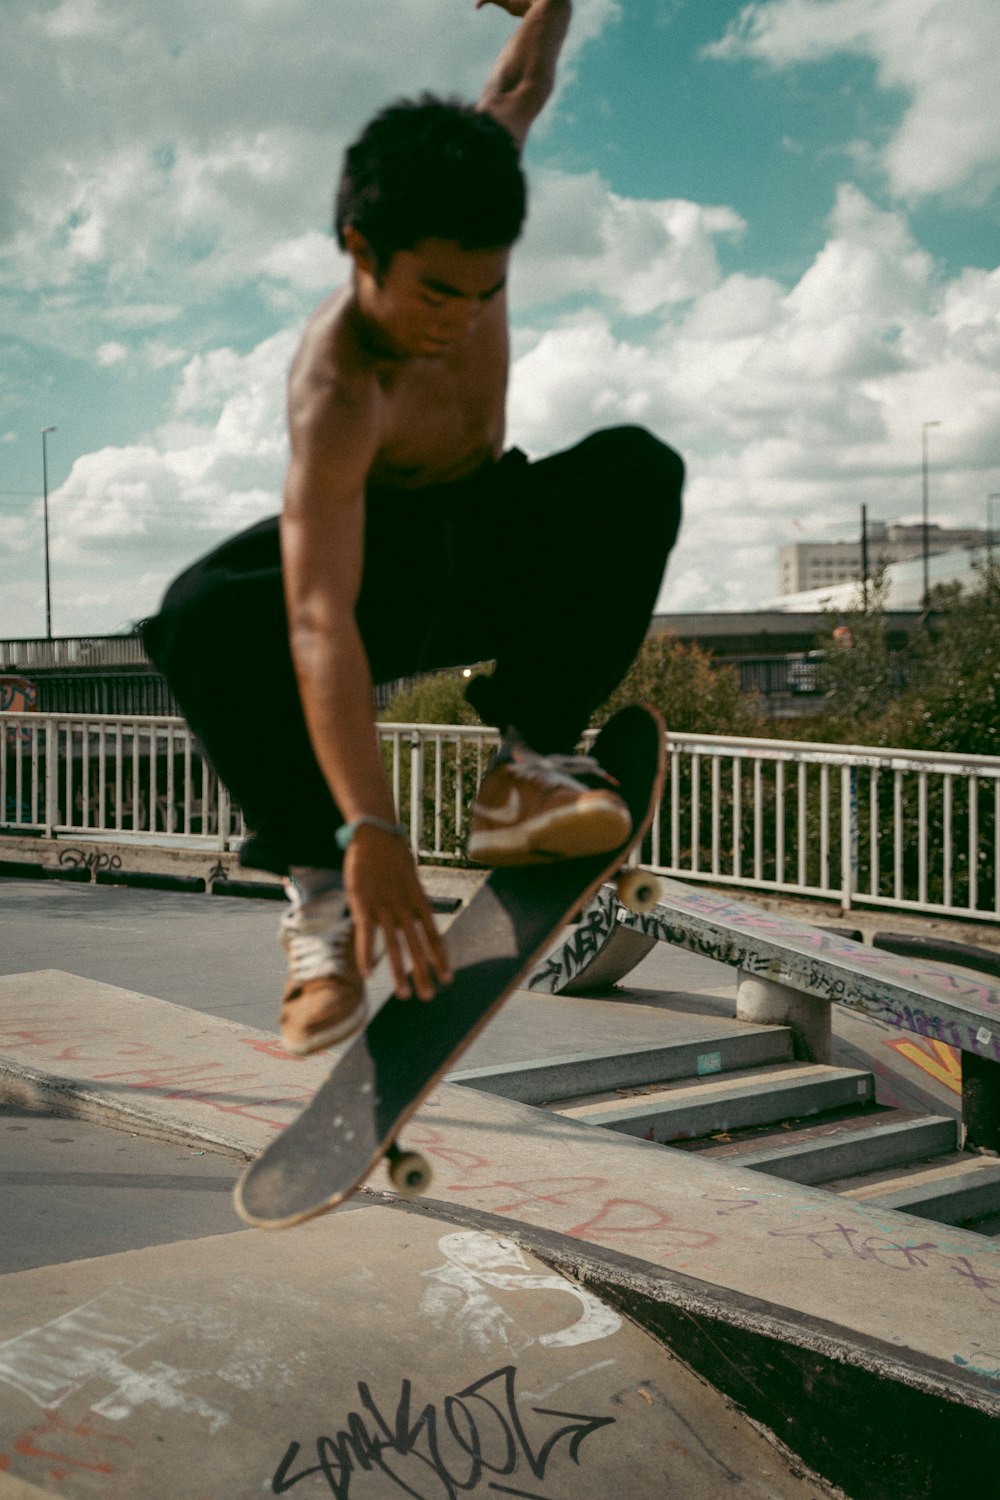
x: 768, y: 231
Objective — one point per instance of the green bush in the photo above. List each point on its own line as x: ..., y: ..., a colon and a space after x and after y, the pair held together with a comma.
x: 694, y: 695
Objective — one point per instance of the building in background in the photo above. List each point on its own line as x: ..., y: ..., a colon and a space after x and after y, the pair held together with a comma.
x: 903, y: 583
x: 804, y: 566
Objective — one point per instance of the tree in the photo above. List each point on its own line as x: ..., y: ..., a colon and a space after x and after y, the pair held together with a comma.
x: 859, y: 672
x: 694, y: 695
x: 960, y: 671
x: 438, y: 699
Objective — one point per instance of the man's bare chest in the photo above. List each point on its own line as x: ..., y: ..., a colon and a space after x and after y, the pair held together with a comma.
x: 440, y: 416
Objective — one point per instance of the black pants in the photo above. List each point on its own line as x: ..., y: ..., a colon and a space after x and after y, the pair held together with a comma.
x: 549, y: 568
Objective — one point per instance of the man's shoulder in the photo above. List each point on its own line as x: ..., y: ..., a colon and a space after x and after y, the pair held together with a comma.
x: 329, y: 368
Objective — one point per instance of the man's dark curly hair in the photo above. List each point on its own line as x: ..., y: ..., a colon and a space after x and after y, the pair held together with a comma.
x: 431, y: 168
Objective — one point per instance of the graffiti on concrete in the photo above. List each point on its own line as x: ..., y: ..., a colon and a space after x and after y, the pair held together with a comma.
x: 94, y: 1342
x: 945, y: 1008
x: 102, y: 1050
x: 937, y: 1059
x: 466, y: 1445
x: 17, y: 695
x: 459, y: 1300
x: 92, y: 860
x: 583, y: 945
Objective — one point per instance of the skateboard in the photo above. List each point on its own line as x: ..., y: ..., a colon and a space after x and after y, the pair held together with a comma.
x: 386, y: 1071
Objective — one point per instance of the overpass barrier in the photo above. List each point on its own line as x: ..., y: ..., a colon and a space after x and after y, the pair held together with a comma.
x: 903, y: 829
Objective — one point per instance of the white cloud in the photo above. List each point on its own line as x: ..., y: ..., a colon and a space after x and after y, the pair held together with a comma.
x: 942, y: 55
x: 790, y: 403
x: 640, y: 254
x: 128, y: 518
x: 177, y: 161
x: 311, y: 262
x: 111, y: 353
x: 156, y: 205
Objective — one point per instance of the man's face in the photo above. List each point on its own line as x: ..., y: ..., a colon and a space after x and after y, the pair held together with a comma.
x: 429, y: 299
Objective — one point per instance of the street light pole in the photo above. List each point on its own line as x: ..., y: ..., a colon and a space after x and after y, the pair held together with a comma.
x: 45, y: 513
x: 926, y: 514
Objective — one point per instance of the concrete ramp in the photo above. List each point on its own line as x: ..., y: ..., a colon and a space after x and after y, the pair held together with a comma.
x: 869, y: 1341
x: 373, y: 1355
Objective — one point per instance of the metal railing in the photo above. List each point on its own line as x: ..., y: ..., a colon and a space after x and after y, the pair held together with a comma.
x: 860, y: 826
x: 42, y: 654
x: 102, y: 775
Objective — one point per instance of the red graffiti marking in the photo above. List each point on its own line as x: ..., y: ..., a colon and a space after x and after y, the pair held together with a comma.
x: 272, y: 1047
x: 434, y: 1142
x: 78, y: 1051
x: 629, y: 1218
x: 28, y: 1446
x: 554, y: 1191
x: 200, y: 1083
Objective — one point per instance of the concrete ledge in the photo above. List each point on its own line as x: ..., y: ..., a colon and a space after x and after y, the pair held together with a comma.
x: 538, y: 1082
x: 86, y: 857
x: 940, y: 950
x: 764, y: 1248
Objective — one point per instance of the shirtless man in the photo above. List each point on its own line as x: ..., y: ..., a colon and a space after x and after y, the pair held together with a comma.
x: 409, y: 541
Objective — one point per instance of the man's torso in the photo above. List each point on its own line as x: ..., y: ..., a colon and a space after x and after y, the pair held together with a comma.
x: 439, y: 418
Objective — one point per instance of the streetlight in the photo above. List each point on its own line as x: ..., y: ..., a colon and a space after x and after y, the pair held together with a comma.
x: 926, y: 526
x: 45, y: 513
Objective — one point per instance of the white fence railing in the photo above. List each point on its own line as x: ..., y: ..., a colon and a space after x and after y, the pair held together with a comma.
x: 891, y: 828
x: 72, y: 651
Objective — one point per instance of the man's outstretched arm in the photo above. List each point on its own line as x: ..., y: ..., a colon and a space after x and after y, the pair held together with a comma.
x: 525, y: 73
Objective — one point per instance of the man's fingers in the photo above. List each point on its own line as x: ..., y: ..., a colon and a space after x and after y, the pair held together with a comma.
x: 439, y: 955
x: 396, y: 963
x: 416, y: 941
x: 364, y: 944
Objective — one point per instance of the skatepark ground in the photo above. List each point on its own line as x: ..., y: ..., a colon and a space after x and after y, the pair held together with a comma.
x: 529, y: 1329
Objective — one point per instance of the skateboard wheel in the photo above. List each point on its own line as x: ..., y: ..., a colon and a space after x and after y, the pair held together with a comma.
x: 638, y: 890
x: 409, y: 1173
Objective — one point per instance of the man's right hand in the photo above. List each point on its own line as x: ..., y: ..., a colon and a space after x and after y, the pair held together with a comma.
x: 385, y: 895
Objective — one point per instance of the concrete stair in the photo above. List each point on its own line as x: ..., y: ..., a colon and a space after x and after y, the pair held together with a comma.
x: 736, y: 1094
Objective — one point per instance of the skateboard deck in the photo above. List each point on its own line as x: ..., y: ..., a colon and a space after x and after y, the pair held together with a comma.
x: 388, y: 1069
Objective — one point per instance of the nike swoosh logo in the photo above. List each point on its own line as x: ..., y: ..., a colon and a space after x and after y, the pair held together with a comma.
x: 509, y: 813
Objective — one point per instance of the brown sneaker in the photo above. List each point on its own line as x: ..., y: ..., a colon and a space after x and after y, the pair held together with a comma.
x: 532, y: 809
x: 324, y: 999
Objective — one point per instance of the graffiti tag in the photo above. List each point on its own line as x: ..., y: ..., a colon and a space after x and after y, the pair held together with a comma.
x: 476, y: 1434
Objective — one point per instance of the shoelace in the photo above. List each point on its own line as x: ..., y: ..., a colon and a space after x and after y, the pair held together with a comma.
x: 572, y: 765
x: 317, y: 936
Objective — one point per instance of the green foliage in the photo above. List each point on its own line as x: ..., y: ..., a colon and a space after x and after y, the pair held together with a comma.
x: 451, y: 768
x: 960, y: 671
x: 859, y: 673
x: 942, y: 693
x: 438, y: 699
x: 694, y: 695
